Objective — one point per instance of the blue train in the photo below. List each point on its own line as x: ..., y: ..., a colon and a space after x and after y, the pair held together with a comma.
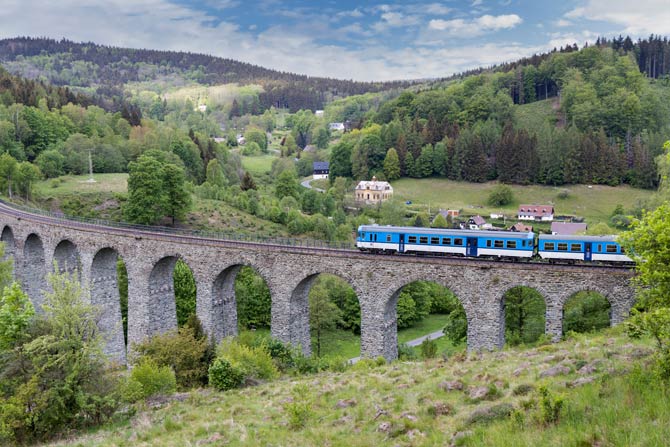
x: 488, y: 244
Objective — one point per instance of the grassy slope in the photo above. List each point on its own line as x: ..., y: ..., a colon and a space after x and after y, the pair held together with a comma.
x: 391, y: 405
x: 595, y: 203
x: 535, y: 114
x: 98, y: 200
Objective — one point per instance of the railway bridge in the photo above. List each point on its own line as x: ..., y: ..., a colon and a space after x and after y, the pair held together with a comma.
x: 36, y: 240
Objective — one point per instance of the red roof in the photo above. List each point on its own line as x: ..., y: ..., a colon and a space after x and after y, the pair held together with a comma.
x: 536, y: 210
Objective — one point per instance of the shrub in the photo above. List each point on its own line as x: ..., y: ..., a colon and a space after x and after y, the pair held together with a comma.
x: 490, y: 414
x: 550, y: 406
x: 153, y: 379
x: 406, y: 353
x: 523, y: 389
x: 254, y: 362
x: 224, y: 376
x: 428, y: 349
x: 500, y: 195
x: 185, y: 353
x: 299, y: 408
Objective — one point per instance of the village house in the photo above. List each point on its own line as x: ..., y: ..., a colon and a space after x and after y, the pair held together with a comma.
x: 544, y: 213
x: 321, y: 169
x: 568, y: 228
x: 521, y: 227
x: 373, y: 191
x: 476, y: 222
x: 336, y: 126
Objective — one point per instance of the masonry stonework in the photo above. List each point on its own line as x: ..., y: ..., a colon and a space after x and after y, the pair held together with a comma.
x: 35, y: 242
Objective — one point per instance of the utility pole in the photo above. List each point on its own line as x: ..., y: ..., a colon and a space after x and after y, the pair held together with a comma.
x: 90, y: 168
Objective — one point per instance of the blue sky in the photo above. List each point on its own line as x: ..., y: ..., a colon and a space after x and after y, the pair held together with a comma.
x: 343, y: 39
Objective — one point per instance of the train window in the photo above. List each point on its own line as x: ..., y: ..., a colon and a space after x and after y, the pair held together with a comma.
x: 435, y: 240
x: 488, y: 243
x: 511, y: 244
x: 458, y: 241
x: 411, y: 239
x: 575, y: 247
x: 562, y: 246
x: 375, y: 237
x: 446, y: 241
x: 549, y: 246
x: 610, y: 248
x: 388, y: 238
x: 423, y: 239
x: 498, y: 244
x: 600, y: 248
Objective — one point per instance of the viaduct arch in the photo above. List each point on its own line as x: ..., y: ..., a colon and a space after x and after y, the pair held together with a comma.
x: 36, y: 241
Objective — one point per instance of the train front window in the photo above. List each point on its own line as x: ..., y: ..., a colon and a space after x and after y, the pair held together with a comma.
x: 575, y: 247
x: 423, y: 239
x: 511, y: 244
x: 610, y: 248
x: 562, y: 246
x: 411, y: 240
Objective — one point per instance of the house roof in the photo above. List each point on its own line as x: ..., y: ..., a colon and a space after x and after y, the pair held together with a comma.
x: 320, y: 165
x: 374, y: 185
x: 478, y: 220
x: 536, y: 210
x: 568, y: 228
x: 521, y: 227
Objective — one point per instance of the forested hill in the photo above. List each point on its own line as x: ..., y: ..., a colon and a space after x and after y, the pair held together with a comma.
x: 63, y: 62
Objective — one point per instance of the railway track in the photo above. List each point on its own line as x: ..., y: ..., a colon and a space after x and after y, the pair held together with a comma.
x: 284, y: 245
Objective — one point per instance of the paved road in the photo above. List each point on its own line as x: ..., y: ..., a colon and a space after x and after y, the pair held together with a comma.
x: 415, y: 342
x: 307, y: 184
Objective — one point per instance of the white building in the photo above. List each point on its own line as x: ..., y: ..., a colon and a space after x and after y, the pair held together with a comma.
x: 543, y: 213
x: 373, y: 191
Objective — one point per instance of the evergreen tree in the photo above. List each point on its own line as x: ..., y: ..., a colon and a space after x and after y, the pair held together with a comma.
x: 177, y: 198
x: 391, y: 165
x: 247, y: 182
x: 424, y: 164
x: 440, y: 161
x: 340, y: 160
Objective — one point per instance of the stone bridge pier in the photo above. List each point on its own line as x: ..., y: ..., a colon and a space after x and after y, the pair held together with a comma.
x: 35, y: 242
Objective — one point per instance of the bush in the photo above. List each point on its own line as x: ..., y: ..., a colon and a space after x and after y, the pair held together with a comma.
x: 187, y: 355
x: 501, y: 195
x: 490, y: 414
x: 406, y: 353
x: 224, y: 376
x: 550, y: 406
x: 153, y: 379
x: 299, y: 408
x: 254, y: 362
x: 428, y: 349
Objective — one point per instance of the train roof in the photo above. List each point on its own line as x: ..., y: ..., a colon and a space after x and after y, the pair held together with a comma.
x: 445, y: 231
x: 565, y: 237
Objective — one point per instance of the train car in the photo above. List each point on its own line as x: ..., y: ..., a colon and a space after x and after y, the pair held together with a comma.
x: 581, y: 248
x: 470, y: 243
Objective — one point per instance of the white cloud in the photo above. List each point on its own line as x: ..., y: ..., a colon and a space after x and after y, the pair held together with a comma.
x: 640, y: 17
x: 475, y: 27
x: 562, y: 23
x: 476, y: 2
x: 562, y: 39
x: 437, y: 9
x: 222, y: 4
x: 163, y: 25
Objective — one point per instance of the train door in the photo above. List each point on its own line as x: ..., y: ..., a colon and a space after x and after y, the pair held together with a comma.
x: 587, y: 251
x: 471, y: 249
x: 401, y: 244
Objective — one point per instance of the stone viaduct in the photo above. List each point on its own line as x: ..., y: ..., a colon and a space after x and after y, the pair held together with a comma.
x: 36, y: 241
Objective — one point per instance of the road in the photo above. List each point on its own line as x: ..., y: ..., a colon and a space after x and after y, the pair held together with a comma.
x: 412, y: 343
x: 307, y: 184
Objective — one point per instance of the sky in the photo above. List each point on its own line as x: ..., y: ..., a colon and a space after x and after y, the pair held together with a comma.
x: 365, y: 41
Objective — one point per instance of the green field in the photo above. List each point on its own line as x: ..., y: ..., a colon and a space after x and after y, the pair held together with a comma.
x: 595, y: 203
x: 258, y: 164
x: 77, y: 184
